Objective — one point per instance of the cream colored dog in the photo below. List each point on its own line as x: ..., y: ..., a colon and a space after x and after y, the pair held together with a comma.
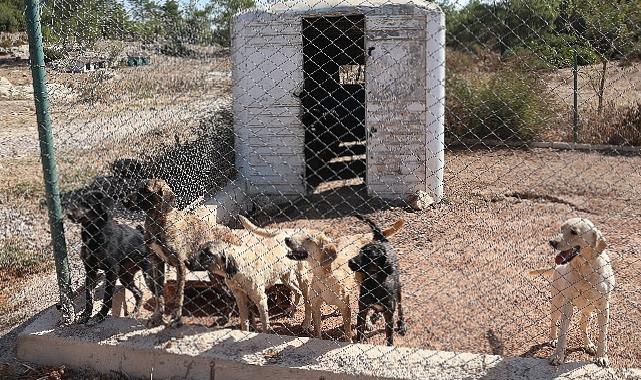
x: 252, y: 267
x: 333, y: 282
x: 583, y: 277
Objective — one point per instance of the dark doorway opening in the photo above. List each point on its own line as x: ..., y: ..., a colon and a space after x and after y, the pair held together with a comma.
x: 333, y: 98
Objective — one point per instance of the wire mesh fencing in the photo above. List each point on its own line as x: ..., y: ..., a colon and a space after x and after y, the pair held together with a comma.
x: 399, y: 173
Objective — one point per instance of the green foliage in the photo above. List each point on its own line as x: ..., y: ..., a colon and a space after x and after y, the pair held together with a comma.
x: 507, y: 106
x: 558, y: 50
x: 548, y: 28
x: 223, y: 11
x: 11, y: 16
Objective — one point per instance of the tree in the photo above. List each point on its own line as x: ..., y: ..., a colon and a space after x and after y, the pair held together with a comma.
x: 223, y: 11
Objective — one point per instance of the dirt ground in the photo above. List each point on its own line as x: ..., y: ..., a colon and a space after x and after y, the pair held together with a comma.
x: 464, y: 263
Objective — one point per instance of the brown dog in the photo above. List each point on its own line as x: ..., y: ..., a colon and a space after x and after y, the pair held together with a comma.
x: 333, y: 282
x: 174, y: 237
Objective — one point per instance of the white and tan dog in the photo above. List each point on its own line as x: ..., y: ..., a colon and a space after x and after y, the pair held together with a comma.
x: 253, y: 266
x: 583, y: 278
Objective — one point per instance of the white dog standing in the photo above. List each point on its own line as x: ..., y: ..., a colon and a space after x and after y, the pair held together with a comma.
x: 583, y: 277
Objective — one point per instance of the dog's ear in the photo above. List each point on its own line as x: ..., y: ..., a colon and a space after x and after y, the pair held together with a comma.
x: 163, y: 190
x: 327, y: 247
x: 601, y: 244
x: 231, y: 266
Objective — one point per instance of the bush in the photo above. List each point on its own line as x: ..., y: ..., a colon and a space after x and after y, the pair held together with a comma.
x: 508, y: 105
x: 54, y: 53
x: 627, y: 129
x: 558, y: 51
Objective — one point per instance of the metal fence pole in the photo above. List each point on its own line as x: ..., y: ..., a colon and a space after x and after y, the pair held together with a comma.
x: 47, y: 154
x: 575, y: 108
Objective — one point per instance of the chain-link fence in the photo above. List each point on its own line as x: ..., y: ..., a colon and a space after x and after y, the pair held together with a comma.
x: 467, y: 132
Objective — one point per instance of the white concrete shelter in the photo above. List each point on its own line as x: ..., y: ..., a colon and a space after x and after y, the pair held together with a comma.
x: 333, y: 89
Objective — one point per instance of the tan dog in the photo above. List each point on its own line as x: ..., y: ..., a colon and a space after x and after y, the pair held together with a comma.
x: 583, y: 277
x: 254, y: 266
x: 174, y: 237
x: 333, y: 282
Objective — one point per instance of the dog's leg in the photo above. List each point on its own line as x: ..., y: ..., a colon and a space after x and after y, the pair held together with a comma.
x: 555, y: 315
x: 346, y: 313
x: 157, y: 282
x: 181, y: 278
x: 360, y: 323
x: 389, y: 326
x: 291, y: 310
x: 91, y: 280
x: 602, y: 344
x: 243, y: 308
x: 558, y: 357
x: 227, y: 297
x: 263, y: 310
x: 589, y: 347
x: 128, y: 281
x: 317, y: 317
x: 307, y: 321
x: 110, y: 283
x: 401, y: 327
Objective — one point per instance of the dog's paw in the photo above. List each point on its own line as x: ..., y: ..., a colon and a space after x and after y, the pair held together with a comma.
x: 96, y: 319
x: 401, y: 328
x: 175, y: 323
x: 154, y: 321
x: 83, y: 318
x: 306, y: 325
x: 553, y: 343
x: 222, y: 321
x: 590, y: 349
x: 602, y: 361
x: 557, y: 358
x: 369, y: 326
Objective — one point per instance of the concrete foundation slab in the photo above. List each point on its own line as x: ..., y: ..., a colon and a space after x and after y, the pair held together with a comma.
x: 196, y: 352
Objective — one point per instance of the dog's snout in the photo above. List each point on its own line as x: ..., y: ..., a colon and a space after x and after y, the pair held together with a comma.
x: 288, y: 241
x: 554, y: 243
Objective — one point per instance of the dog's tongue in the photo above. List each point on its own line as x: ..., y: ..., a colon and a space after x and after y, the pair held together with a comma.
x: 561, y: 257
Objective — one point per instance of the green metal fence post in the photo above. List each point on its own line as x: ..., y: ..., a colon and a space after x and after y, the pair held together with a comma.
x: 47, y: 155
x: 575, y: 108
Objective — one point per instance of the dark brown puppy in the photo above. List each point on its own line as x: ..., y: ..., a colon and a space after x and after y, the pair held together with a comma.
x: 174, y: 237
x: 114, y: 248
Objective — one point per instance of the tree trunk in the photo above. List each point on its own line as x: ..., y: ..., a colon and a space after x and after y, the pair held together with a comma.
x: 602, y: 85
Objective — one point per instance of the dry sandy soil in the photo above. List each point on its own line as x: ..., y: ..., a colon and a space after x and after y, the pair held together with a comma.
x: 464, y: 263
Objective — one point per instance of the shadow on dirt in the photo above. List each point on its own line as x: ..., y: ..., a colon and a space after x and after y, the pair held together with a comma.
x: 194, y: 168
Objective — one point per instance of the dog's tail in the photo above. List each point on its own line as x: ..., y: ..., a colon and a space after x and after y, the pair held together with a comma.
x: 255, y: 229
x: 376, y: 230
x: 394, y: 228
x: 547, y: 272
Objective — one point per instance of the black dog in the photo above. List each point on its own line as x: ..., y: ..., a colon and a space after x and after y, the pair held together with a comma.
x: 380, y: 288
x: 114, y: 248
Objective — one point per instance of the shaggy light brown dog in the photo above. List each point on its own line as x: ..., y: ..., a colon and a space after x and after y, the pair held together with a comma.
x: 174, y: 237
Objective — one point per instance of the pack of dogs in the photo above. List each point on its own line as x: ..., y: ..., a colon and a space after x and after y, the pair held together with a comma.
x: 318, y: 269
